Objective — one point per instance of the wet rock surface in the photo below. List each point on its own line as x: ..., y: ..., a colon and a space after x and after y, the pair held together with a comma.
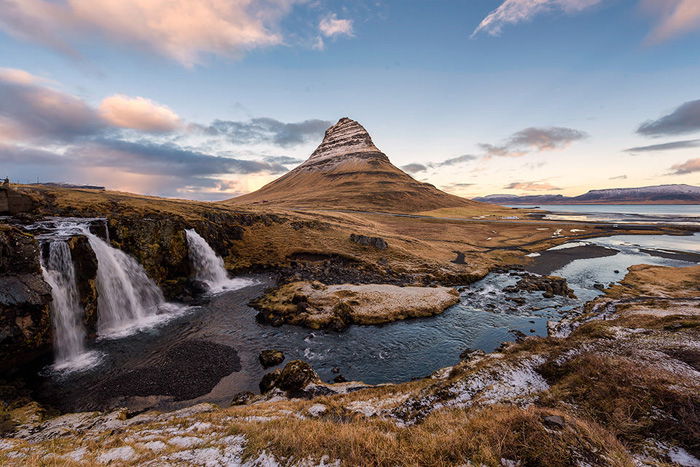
x: 25, y: 320
x: 317, y: 305
x: 548, y: 285
x: 269, y: 358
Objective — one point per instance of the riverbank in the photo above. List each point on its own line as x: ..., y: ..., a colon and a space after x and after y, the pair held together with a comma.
x: 546, y: 400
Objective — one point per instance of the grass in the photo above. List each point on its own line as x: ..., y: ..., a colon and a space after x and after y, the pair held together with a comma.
x: 448, y: 437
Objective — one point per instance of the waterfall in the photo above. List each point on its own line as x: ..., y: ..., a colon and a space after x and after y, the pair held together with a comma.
x: 208, y: 267
x: 67, y: 314
x: 127, y: 299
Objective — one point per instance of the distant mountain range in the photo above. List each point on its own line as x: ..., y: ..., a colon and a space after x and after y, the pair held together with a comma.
x: 659, y: 194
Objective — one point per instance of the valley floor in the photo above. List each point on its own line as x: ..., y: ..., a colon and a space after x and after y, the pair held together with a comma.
x: 618, y: 385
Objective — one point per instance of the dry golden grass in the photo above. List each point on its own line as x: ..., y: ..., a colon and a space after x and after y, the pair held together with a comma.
x: 448, y: 437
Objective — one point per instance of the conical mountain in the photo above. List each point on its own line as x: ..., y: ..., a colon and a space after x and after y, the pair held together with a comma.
x: 347, y: 171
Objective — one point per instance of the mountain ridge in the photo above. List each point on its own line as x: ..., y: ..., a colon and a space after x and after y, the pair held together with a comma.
x: 347, y: 171
x: 654, y: 194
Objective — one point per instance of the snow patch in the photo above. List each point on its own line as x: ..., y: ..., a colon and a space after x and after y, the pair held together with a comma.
x: 124, y: 453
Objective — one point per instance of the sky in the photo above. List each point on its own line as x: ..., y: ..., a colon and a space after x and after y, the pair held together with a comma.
x: 209, y: 99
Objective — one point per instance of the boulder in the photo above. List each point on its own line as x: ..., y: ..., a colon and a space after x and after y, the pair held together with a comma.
x: 270, y: 381
x: 293, y: 379
x: 296, y: 375
x: 242, y: 398
x: 270, y: 358
x: 376, y: 242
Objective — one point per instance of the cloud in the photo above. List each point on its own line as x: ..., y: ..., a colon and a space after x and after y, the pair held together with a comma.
x: 331, y: 26
x: 414, y: 168
x: 146, y: 157
x: 29, y: 111
x: 534, y: 140
x: 283, y: 160
x: 52, y: 135
x: 687, y: 167
x: 138, y: 113
x: 268, y: 130
x: 685, y: 119
x: 530, y: 186
x: 691, y: 143
x: 519, y: 11
x: 618, y: 177
x: 674, y: 17
x: 456, y: 160
x: 184, y: 31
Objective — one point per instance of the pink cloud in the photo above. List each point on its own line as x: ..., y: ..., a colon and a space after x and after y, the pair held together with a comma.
x: 183, y: 30
x: 687, y: 167
x: 138, y: 113
x: 674, y: 17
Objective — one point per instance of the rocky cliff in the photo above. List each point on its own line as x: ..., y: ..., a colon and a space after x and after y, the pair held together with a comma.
x: 25, y: 299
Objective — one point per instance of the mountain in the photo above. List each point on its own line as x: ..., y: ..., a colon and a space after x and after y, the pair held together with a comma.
x: 659, y: 194
x: 347, y: 171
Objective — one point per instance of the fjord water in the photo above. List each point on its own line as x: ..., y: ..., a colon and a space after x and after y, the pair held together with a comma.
x: 208, y: 267
x: 67, y: 313
x: 642, y: 213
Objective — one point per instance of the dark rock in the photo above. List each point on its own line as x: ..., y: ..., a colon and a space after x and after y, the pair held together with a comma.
x: 598, y: 286
x: 340, y: 379
x: 616, y: 271
x: 13, y: 202
x: 469, y: 354
x: 270, y: 358
x: 270, y: 381
x: 25, y: 299
x: 335, y: 370
x: 85, y: 264
x: 376, y: 242
x: 196, y: 287
x: 296, y: 375
x: 293, y: 379
x: 532, y: 330
x: 549, y: 285
x: 517, y: 300
x: 554, y: 421
x: 242, y: 398
x: 460, y: 259
x: 519, y: 335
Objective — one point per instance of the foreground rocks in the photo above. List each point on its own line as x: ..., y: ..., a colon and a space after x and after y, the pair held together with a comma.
x: 25, y: 299
x: 316, y: 305
x: 619, y: 385
x: 548, y: 285
x: 270, y: 358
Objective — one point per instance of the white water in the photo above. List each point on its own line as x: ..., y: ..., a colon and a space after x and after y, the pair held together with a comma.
x: 208, y: 267
x: 127, y: 299
x: 67, y: 314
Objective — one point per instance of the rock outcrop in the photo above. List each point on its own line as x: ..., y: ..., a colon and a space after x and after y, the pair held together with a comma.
x: 25, y: 299
x: 316, y: 305
x: 13, y: 202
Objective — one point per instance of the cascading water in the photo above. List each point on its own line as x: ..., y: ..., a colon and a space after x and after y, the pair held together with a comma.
x: 208, y: 267
x: 67, y: 314
x: 127, y: 299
